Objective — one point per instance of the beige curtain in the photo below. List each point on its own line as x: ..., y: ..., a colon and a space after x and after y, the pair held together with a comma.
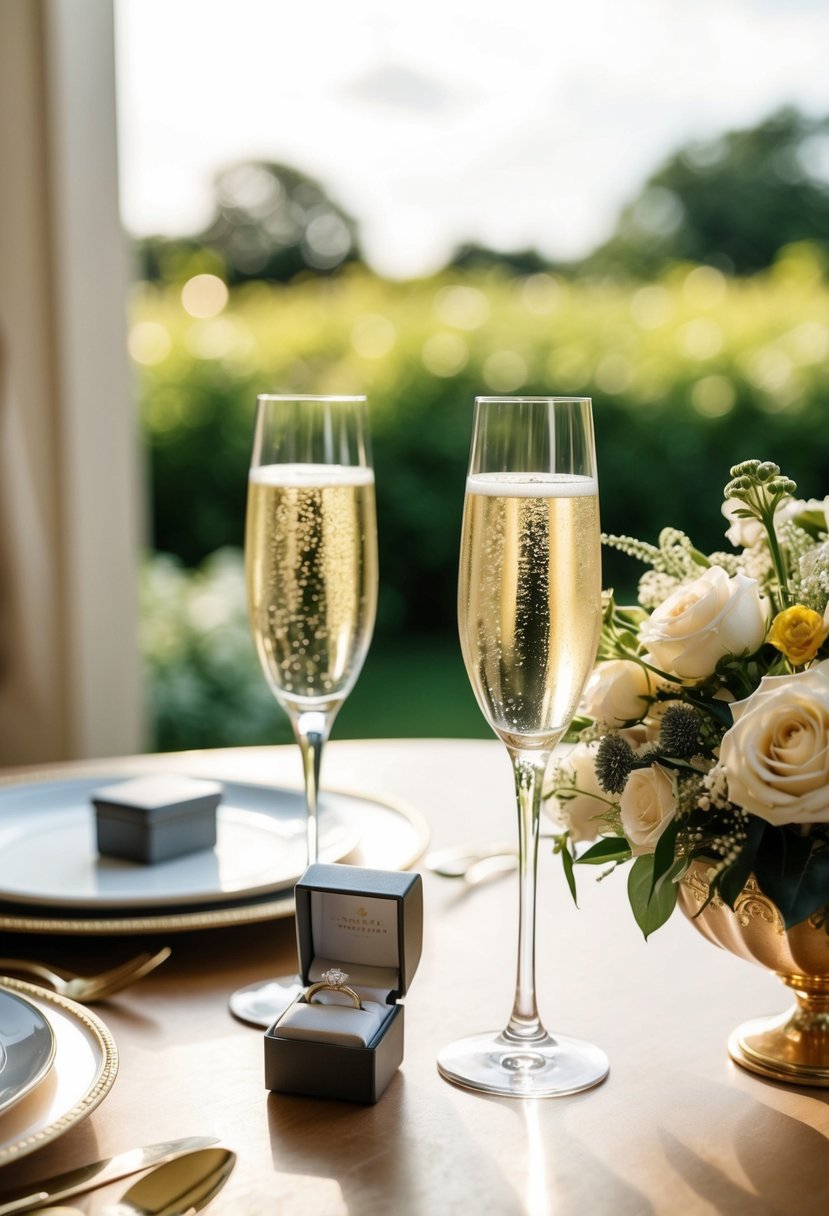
x: 31, y: 718
x: 69, y: 502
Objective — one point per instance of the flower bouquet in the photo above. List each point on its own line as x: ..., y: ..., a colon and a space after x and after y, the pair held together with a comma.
x: 705, y: 731
x: 702, y: 753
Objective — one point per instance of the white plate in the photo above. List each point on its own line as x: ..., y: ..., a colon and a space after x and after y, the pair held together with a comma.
x: 84, y: 1069
x: 48, y: 854
x: 27, y: 1047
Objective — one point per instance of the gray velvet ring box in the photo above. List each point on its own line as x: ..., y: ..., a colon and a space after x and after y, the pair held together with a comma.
x: 152, y: 819
x: 368, y: 923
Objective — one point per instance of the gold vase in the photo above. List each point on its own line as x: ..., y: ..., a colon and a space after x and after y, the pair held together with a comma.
x: 794, y: 1046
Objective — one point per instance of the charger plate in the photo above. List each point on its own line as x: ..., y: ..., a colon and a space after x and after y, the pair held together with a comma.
x: 27, y: 1047
x: 83, y: 1072
x: 390, y: 835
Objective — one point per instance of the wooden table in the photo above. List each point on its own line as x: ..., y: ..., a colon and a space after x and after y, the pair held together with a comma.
x: 677, y: 1128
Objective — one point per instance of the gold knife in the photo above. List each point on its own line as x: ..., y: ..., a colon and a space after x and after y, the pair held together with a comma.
x: 88, y: 1177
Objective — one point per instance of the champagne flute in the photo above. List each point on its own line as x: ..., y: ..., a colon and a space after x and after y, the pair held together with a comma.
x: 529, y: 613
x: 311, y: 568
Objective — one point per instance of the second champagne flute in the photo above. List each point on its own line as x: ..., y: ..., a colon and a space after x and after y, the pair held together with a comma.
x: 311, y: 567
x: 529, y: 612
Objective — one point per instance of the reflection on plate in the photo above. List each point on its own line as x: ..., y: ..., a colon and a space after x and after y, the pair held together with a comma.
x: 27, y: 1047
x: 48, y: 854
x: 390, y: 836
x: 84, y: 1069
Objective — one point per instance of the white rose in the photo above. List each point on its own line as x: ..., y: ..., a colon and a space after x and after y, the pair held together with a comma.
x: 617, y: 691
x: 776, y: 755
x: 704, y: 620
x: 581, y: 813
x: 648, y: 804
x: 742, y: 532
x: 747, y: 532
x: 801, y: 506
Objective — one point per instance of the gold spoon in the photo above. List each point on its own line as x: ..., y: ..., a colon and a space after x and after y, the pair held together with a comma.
x: 172, y: 1189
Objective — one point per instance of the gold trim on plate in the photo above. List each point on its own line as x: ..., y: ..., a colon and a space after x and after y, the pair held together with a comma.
x: 243, y: 912
x: 100, y: 1085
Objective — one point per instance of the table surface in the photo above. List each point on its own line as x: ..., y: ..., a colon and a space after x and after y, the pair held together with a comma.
x: 676, y: 1128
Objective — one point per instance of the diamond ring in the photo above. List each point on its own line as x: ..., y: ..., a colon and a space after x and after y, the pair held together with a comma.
x: 333, y: 980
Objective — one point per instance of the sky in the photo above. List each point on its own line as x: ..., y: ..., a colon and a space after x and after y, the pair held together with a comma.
x: 516, y: 124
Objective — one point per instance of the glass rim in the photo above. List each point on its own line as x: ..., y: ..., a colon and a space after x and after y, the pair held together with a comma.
x: 531, y: 400
x: 309, y: 397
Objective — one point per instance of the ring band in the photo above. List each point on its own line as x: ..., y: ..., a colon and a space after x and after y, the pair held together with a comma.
x: 333, y: 981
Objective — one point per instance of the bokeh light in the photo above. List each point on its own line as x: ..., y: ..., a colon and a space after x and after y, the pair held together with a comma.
x: 205, y: 295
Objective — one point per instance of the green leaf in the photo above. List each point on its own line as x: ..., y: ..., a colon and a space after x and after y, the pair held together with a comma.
x: 663, y: 857
x: 609, y: 848
x: 652, y: 904
x: 793, y: 874
x: 567, y: 862
x: 813, y: 522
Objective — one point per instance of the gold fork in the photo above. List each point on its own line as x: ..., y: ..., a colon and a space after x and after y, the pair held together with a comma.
x: 88, y: 988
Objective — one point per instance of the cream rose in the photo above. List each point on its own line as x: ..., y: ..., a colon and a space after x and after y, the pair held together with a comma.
x: 776, y: 755
x: 793, y: 507
x: 617, y: 691
x: 743, y: 532
x: 581, y: 813
x: 648, y: 804
x: 750, y: 531
x: 704, y: 620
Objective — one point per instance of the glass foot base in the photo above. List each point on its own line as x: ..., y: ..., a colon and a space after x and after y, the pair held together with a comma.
x: 260, y: 1004
x: 549, y: 1068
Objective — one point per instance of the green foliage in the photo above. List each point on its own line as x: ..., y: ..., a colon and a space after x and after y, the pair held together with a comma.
x: 206, y: 687
x: 270, y: 222
x: 680, y: 371
x: 734, y: 201
x: 204, y: 683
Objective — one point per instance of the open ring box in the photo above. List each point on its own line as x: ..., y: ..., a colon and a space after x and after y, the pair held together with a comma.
x: 369, y: 924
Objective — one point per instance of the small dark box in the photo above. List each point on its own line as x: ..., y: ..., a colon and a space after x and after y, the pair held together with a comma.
x: 152, y: 819
x: 370, y: 924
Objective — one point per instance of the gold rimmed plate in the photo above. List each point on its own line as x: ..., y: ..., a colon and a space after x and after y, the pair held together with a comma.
x: 49, y: 856
x: 27, y: 1047
x: 388, y: 835
x: 82, y: 1073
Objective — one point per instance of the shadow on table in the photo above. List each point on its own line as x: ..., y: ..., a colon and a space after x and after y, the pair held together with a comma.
x: 785, y: 1160
x: 391, y: 1157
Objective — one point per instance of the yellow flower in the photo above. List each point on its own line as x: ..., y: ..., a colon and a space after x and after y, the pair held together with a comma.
x: 799, y: 633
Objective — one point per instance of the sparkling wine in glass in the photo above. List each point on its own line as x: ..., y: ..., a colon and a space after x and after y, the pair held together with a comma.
x: 529, y: 614
x: 311, y: 568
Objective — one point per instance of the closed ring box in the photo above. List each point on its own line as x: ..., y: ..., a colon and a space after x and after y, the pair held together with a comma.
x: 155, y: 818
x: 368, y: 923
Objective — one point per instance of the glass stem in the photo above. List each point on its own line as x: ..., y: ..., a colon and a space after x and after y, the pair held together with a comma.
x: 529, y: 768
x: 312, y: 728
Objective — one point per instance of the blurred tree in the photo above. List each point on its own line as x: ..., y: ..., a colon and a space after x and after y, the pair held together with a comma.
x: 271, y: 222
x: 733, y: 202
x: 472, y: 256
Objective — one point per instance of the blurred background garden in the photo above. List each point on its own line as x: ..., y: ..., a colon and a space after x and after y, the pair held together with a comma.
x: 699, y: 326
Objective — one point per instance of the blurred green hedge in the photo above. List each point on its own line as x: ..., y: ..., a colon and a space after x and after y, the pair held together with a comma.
x: 688, y: 375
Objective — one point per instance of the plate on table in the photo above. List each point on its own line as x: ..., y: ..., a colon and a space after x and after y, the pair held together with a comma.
x: 27, y: 1047
x: 82, y: 1073
x: 49, y: 857
x: 387, y: 835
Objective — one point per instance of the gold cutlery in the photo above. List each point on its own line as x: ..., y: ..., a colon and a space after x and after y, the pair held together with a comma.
x: 87, y: 988
x: 100, y: 1173
x: 176, y: 1188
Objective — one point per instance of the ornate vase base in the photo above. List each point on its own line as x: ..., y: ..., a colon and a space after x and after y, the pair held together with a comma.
x: 789, y: 1047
